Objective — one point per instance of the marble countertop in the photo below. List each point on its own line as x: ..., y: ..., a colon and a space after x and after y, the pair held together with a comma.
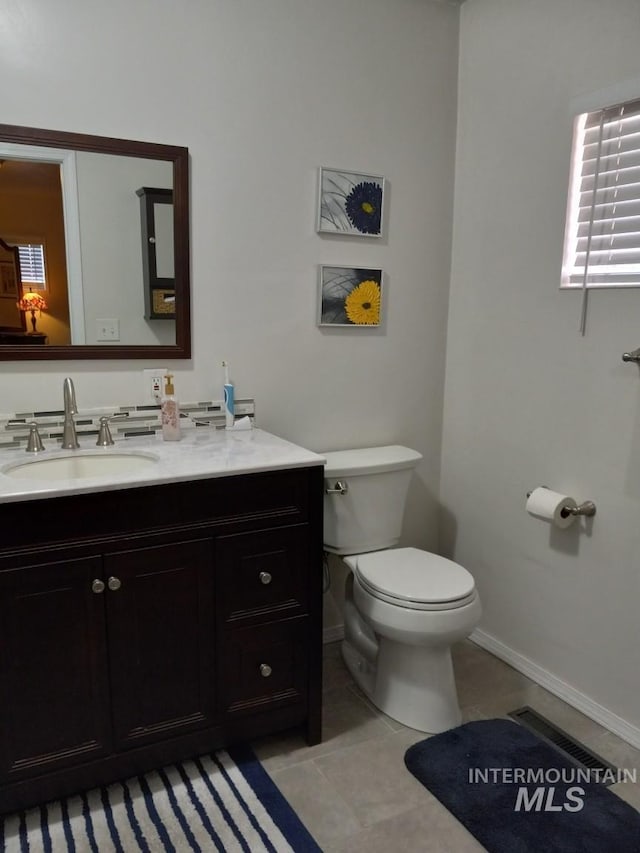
x: 200, y: 454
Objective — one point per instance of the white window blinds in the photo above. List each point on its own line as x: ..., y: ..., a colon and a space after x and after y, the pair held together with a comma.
x: 32, y: 265
x: 602, y: 241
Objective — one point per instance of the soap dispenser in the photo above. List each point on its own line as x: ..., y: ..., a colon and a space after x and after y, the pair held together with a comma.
x: 169, y: 411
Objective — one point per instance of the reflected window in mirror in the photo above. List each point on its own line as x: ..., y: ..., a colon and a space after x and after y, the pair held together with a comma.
x: 32, y: 264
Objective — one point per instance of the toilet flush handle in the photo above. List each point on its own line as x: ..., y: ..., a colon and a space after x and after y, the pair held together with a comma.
x: 340, y: 488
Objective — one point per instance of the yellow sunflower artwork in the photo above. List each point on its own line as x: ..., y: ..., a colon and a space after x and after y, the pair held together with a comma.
x: 363, y: 304
x: 350, y: 296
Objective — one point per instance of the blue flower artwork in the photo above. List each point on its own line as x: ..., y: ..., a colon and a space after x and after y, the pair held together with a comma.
x: 350, y: 203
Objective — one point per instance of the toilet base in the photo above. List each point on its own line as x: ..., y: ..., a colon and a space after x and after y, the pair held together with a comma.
x: 362, y: 671
x: 415, y: 685
x: 411, y: 684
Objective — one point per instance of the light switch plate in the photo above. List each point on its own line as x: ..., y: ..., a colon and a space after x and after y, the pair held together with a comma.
x: 108, y: 329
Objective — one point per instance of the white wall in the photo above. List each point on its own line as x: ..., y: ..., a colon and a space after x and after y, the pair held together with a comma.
x: 528, y: 401
x: 111, y: 248
x: 263, y: 94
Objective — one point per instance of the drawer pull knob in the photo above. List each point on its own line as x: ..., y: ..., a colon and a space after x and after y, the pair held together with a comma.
x: 97, y: 586
x: 265, y: 578
x: 114, y: 584
x: 265, y: 670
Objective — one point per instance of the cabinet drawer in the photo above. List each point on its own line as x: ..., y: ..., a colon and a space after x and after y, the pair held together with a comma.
x: 263, y: 574
x: 263, y: 666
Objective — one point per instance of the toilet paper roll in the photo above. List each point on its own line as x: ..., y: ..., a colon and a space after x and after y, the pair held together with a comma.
x: 548, y: 505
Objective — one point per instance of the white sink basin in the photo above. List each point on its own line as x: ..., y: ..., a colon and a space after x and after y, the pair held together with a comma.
x: 75, y: 466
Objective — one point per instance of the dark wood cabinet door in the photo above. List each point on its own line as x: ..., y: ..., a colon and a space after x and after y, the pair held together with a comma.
x: 161, y: 640
x: 263, y: 575
x: 54, y: 707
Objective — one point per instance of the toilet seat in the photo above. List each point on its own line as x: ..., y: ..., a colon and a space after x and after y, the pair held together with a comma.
x: 414, y: 579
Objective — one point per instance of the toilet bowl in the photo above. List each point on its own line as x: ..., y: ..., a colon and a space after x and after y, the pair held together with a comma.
x: 404, y: 607
x: 413, y: 618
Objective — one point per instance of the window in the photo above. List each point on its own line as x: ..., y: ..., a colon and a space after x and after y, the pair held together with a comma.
x: 32, y: 270
x: 602, y: 239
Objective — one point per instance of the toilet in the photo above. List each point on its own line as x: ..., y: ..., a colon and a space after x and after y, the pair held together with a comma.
x: 404, y: 607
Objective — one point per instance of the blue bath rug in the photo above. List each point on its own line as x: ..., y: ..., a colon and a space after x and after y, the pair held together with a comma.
x: 516, y: 794
x: 220, y: 802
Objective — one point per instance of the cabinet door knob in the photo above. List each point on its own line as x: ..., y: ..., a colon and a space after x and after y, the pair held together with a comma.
x: 97, y: 586
x: 265, y: 670
x: 265, y: 578
x: 114, y: 583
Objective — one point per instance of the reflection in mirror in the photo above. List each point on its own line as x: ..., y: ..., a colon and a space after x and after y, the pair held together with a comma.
x: 75, y: 199
x: 12, y: 324
x: 31, y: 215
x: 158, y: 265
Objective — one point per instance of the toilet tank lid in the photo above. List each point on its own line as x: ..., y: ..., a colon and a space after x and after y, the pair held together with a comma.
x: 370, y: 460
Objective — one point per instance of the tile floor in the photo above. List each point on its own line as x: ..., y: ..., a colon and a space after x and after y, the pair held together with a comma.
x: 353, y: 791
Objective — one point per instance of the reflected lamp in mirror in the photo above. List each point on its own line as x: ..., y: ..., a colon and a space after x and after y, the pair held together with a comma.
x: 32, y: 302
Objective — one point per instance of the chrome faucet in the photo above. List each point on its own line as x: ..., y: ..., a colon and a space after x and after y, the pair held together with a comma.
x: 69, y: 437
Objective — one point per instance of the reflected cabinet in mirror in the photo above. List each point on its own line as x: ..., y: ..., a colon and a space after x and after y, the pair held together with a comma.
x: 100, y: 231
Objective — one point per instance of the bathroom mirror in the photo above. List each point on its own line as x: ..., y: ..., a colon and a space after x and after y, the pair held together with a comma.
x: 71, y: 204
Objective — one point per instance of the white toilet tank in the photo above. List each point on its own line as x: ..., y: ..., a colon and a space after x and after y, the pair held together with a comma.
x: 369, y: 516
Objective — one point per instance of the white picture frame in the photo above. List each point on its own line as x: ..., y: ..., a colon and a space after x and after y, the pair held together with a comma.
x: 350, y: 297
x: 350, y: 203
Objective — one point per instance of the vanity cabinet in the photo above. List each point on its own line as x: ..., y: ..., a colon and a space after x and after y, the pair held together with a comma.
x: 143, y: 626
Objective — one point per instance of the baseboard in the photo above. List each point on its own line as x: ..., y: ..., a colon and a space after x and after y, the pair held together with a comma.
x: 559, y: 688
x: 333, y: 634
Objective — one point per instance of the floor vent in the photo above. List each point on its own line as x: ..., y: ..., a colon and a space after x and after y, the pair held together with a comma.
x: 571, y: 748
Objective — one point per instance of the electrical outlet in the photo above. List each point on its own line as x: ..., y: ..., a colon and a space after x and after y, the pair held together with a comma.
x: 154, y: 381
x: 108, y: 329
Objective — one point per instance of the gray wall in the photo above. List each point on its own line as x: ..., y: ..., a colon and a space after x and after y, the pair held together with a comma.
x: 528, y: 400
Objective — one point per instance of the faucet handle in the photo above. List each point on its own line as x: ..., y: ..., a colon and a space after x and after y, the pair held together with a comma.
x: 105, y: 439
x: 34, y: 442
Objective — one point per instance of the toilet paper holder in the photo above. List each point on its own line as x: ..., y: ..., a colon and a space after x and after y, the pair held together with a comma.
x: 634, y: 355
x: 586, y: 508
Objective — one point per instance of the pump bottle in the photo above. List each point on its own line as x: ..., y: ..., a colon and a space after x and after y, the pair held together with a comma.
x: 169, y: 411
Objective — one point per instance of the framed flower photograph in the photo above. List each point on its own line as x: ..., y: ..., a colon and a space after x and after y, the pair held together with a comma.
x: 350, y: 203
x: 349, y: 296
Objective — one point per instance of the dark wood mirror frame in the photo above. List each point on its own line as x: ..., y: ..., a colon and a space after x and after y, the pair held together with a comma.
x: 179, y: 157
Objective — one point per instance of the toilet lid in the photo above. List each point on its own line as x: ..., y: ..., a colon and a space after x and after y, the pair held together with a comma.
x: 411, y: 578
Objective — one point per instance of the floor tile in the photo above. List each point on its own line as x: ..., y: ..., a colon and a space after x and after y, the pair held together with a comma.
x: 346, y: 719
x: 628, y: 792
x: 617, y: 751
x: 427, y: 828
x: 326, y: 814
x: 479, y: 677
x: 372, y: 777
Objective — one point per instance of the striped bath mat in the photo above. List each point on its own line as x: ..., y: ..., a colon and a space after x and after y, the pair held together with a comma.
x: 224, y: 802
